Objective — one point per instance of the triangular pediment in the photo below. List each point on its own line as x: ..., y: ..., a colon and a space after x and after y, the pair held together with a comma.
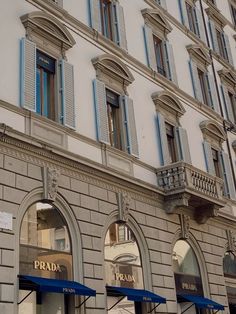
x: 155, y: 18
x: 199, y: 54
x: 228, y: 77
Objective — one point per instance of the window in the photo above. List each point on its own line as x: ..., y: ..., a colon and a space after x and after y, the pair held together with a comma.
x: 159, y: 53
x: 41, y: 256
x: 171, y: 142
x: 46, y: 85
x: 233, y: 105
x: 107, y: 17
x: 233, y: 13
x: 115, y: 118
x: 158, y: 49
x: 219, y: 39
x: 217, y: 160
x: 203, y: 82
x: 173, y: 139
x: 191, y: 17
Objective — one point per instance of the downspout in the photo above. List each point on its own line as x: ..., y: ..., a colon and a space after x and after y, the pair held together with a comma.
x: 218, y: 93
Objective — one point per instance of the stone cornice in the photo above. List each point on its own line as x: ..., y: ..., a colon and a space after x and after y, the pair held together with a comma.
x: 28, y: 149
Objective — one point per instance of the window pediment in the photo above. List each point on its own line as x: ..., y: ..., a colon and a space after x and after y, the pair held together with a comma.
x: 155, y: 18
x: 228, y: 77
x: 168, y: 104
x: 108, y: 66
x: 216, y: 16
x: 41, y: 24
x: 213, y: 133
x: 199, y: 54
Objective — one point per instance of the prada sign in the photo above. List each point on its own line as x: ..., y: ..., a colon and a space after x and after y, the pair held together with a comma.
x: 124, y: 277
x: 188, y: 284
x: 40, y: 265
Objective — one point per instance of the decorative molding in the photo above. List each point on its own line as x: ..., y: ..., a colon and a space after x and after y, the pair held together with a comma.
x: 157, y: 21
x: 78, y: 168
x: 168, y: 104
x: 228, y: 77
x: 199, y: 54
x: 231, y: 241
x: 176, y: 202
x: 50, y: 183
x: 124, y: 203
x: 185, y: 226
x: 203, y: 213
x: 216, y: 16
x: 212, y: 132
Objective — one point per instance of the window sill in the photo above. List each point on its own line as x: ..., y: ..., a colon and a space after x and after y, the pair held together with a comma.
x: 117, y: 159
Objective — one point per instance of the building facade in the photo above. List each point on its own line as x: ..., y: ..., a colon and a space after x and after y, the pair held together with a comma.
x: 118, y: 156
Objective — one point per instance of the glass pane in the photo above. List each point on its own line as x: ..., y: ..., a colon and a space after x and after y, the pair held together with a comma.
x: 40, y: 227
x: 122, y: 258
x: 184, y: 259
x: 38, y: 92
x: 229, y: 264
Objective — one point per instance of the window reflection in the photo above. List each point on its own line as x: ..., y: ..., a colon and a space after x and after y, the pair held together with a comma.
x: 45, y: 249
x: 229, y: 264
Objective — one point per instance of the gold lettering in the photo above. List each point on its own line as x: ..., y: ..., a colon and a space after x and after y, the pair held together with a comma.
x: 36, y: 264
x: 47, y: 266
x: 124, y: 277
x: 42, y: 265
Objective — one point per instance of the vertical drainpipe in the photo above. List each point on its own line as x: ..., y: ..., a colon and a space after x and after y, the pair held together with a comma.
x: 217, y: 90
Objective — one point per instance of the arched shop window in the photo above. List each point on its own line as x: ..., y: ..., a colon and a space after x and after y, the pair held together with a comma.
x: 124, y: 273
x: 188, y: 282
x: 45, y: 270
x: 229, y: 266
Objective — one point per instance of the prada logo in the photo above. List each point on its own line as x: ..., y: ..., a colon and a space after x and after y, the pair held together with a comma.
x: 124, y: 277
x: 46, y: 266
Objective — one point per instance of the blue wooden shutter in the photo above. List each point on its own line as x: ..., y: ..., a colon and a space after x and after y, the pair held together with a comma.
x: 208, y: 158
x: 28, y: 74
x: 149, y: 47
x: 99, y: 93
x: 130, y: 126
x: 214, y: 40
x: 227, y: 104
x: 200, y: 25
x: 95, y: 14
x: 212, y: 94
x: 183, y: 13
x: 195, y: 81
x: 119, y: 25
x: 183, y: 145
x: 162, y: 139
x: 227, y: 48
x: 67, y: 94
x: 162, y: 3
x: 229, y: 185
x: 170, y: 63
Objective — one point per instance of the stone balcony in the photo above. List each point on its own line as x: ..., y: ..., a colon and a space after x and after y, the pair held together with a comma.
x: 187, y: 187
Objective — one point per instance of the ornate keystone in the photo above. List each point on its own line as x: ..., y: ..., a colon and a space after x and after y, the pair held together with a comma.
x: 50, y: 183
x: 124, y: 201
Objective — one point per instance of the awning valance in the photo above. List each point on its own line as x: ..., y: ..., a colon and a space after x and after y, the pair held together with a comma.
x: 200, y: 302
x: 55, y: 285
x: 136, y: 295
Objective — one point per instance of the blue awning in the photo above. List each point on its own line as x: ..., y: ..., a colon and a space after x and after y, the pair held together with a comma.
x: 137, y: 295
x: 58, y: 286
x: 200, y: 302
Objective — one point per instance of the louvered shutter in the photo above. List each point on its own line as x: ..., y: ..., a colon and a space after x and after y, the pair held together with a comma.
x: 212, y: 94
x: 28, y: 74
x: 67, y: 94
x: 214, y: 41
x: 162, y: 3
x: 183, y: 145
x: 195, y: 81
x: 200, y: 24
x: 162, y: 138
x: 99, y: 92
x: 183, y: 13
x: 170, y: 63
x: 229, y: 185
x: 227, y: 103
x: 119, y: 25
x: 208, y: 158
x: 228, y: 49
x: 95, y: 14
x: 149, y: 47
x: 130, y: 126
